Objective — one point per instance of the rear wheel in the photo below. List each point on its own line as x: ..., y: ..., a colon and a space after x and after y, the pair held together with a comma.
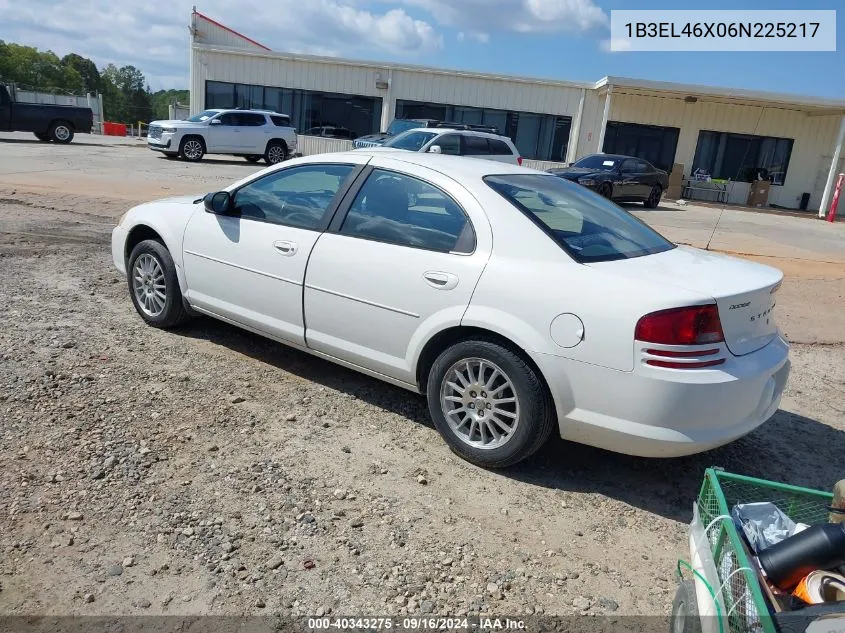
x: 42, y: 137
x: 61, y: 132
x: 192, y: 148
x: 653, y: 197
x: 276, y: 152
x: 685, y: 618
x: 154, y: 286
x: 489, y: 404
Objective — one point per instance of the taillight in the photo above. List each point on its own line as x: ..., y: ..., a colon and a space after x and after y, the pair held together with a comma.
x: 519, y: 160
x: 695, y: 325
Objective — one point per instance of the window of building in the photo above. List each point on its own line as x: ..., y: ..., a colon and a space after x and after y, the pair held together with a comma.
x: 403, y: 210
x: 307, y: 109
x: 538, y: 136
x: 653, y: 143
x: 297, y: 196
x: 742, y: 157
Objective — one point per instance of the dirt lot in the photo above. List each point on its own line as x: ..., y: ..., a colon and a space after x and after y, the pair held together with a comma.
x: 208, y: 470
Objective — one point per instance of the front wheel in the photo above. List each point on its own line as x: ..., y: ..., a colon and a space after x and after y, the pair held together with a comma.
x: 605, y: 190
x: 154, y: 286
x: 489, y: 404
x: 192, y: 148
x: 653, y: 197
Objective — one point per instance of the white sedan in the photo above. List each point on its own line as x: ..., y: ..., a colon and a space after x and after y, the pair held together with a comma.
x: 516, y: 301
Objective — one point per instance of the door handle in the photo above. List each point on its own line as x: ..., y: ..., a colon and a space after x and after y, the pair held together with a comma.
x: 284, y: 247
x: 439, y: 280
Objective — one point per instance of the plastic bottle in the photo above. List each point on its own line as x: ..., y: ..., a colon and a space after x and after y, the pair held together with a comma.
x: 838, y: 503
x: 817, y: 547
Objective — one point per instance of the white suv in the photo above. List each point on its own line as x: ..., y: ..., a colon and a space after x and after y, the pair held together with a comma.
x: 456, y: 142
x: 253, y: 134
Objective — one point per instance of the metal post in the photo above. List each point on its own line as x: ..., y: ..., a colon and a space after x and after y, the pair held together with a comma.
x: 604, y: 118
x: 388, y: 104
x: 102, y: 112
x: 575, y: 131
x: 831, y: 174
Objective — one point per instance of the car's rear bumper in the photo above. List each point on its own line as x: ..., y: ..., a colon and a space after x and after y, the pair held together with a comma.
x: 656, y: 412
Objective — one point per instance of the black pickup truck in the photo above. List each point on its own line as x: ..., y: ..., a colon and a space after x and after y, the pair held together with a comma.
x: 57, y: 123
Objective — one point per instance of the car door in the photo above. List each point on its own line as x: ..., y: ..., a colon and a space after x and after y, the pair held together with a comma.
x: 255, y: 132
x: 400, y: 263
x: 249, y: 266
x: 628, y: 184
x: 223, y: 137
x: 647, y: 178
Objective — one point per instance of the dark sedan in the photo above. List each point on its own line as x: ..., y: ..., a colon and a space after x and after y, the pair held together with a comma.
x: 620, y: 178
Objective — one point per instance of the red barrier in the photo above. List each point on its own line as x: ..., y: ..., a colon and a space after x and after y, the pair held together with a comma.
x: 834, y: 202
x: 114, y: 129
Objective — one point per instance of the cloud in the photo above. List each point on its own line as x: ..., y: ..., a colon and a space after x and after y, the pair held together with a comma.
x: 615, y: 45
x: 521, y: 16
x: 153, y: 35
x: 481, y: 38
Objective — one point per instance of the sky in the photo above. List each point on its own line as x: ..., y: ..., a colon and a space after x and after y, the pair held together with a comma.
x: 558, y: 39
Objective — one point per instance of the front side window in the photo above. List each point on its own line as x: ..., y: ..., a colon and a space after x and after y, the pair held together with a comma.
x: 449, y: 144
x: 298, y: 196
x: 476, y: 146
x: 587, y: 226
x: 411, y: 140
x: 400, y: 209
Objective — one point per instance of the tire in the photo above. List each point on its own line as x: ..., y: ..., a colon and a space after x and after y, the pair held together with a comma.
x: 276, y: 152
x: 192, y: 148
x: 42, y: 137
x: 61, y: 132
x: 685, y: 618
x: 253, y: 158
x: 532, y: 411
x: 155, y: 265
x: 653, y: 197
x: 605, y: 190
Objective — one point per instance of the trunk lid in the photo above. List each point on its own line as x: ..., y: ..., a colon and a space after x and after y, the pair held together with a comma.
x: 744, y: 291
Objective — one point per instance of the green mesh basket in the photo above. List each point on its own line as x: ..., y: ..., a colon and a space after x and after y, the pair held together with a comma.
x: 747, y: 608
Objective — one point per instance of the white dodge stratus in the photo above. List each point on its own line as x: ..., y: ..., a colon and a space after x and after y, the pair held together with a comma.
x: 516, y: 301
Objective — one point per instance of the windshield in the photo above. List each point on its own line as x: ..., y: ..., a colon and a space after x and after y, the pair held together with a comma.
x: 411, y: 141
x: 598, y: 162
x: 203, y: 116
x: 588, y: 227
x: 398, y: 126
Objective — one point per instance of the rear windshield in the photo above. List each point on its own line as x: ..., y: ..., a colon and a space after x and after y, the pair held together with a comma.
x: 588, y: 226
x: 411, y: 141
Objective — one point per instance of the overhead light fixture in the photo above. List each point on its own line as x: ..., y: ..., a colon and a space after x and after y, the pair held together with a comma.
x: 690, y: 99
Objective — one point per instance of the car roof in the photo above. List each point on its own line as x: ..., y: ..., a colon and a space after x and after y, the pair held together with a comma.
x: 456, y: 167
x: 440, y: 130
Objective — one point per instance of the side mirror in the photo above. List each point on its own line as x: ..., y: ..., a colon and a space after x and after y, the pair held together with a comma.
x: 219, y: 203
x: 435, y: 149
x: 215, y: 122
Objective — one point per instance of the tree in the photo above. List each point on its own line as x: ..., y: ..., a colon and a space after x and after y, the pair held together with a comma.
x: 34, y: 69
x: 162, y: 99
x: 86, y: 69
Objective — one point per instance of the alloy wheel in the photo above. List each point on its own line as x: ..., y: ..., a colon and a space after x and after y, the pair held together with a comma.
x: 192, y: 149
x: 480, y: 403
x: 276, y: 154
x: 148, y: 284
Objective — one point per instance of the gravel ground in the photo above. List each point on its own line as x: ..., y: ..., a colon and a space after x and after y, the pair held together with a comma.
x: 210, y: 471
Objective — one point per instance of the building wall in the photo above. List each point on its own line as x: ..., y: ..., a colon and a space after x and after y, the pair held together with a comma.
x: 811, y: 135
x: 207, y: 32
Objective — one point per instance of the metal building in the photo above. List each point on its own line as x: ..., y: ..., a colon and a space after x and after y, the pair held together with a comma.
x: 726, y: 133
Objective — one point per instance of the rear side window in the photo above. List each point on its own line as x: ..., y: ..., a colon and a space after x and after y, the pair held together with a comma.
x: 499, y: 148
x: 251, y: 119
x: 399, y: 209
x: 476, y: 146
x: 643, y: 166
x: 280, y: 121
x: 586, y: 225
x: 229, y: 118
